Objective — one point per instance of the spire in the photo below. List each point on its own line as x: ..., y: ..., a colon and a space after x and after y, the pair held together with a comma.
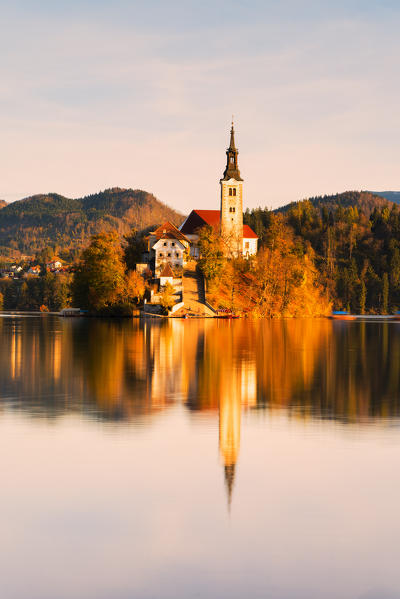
x: 232, y: 144
x: 232, y: 169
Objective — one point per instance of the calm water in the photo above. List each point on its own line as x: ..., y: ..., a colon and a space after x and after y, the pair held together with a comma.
x: 177, y: 459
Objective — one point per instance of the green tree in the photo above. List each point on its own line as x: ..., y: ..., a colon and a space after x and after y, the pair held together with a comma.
x: 211, y: 256
x: 134, y: 248
x: 99, y: 282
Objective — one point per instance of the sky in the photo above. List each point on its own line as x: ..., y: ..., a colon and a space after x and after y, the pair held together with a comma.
x: 97, y: 94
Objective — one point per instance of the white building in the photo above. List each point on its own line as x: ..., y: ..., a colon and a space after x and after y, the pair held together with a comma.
x: 168, y: 245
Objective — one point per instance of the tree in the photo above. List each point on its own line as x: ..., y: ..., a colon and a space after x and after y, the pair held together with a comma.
x: 385, y: 293
x: 135, y: 287
x: 211, y: 255
x: 363, y: 297
x: 134, y: 248
x: 167, y: 299
x: 99, y: 282
x: 1, y: 301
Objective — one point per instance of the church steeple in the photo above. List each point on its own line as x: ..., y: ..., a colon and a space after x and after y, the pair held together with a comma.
x: 232, y: 168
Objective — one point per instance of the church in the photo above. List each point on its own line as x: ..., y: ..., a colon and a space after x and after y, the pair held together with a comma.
x: 239, y: 239
x: 171, y: 246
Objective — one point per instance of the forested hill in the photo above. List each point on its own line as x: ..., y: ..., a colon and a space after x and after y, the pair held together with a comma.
x: 3, y: 203
x: 365, y: 201
x: 29, y: 225
x: 353, y: 239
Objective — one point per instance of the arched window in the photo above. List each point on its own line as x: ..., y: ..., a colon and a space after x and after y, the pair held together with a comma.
x: 234, y: 191
x: 230, y: 191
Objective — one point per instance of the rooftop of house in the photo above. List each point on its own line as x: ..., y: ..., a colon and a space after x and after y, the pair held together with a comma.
x: 199, y: 218
x: 168, y: 231
x: 167, y: 271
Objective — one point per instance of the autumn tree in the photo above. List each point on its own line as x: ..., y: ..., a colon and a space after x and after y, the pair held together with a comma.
x: 167, y: 299
x: 211, y: 255
x: 135, y: 287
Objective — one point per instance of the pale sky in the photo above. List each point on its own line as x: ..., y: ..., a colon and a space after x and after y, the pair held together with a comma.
x: 97, y: 94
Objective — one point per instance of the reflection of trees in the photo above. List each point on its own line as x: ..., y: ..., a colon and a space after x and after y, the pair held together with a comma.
x: 130, y: 368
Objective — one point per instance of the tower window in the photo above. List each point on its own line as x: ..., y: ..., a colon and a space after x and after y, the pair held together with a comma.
x: 169, y: 255
x: 165, y: 243
x: 173, y: 243
x: 232, y: 209
x: 232, y: 159
x: 232, y: 191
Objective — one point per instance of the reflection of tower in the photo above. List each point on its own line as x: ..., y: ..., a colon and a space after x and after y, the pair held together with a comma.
x: 229, y: 435
x: 239, y: 389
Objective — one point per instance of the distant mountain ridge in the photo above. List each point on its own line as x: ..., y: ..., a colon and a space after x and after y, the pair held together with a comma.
x: 29, y: 225
x: 392, y: 196
x: 365, y: 201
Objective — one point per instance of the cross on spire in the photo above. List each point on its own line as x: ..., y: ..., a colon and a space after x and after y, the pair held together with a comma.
x: 232, y: 168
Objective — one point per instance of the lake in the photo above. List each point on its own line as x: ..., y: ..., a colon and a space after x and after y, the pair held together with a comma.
x: 179, y: 459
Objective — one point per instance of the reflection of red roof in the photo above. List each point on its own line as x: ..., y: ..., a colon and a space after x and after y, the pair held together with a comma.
x: 199, y: 218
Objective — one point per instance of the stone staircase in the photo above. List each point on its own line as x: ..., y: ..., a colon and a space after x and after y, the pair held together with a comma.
x: 193, y: 292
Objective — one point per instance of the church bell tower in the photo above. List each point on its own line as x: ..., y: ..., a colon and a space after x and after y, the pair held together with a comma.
x: 232, y: 202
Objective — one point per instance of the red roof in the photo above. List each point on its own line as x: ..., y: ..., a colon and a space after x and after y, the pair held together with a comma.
x: 248, y: 233
x: 199, y: 218
x: 167, y: 271
x: 211, y: 217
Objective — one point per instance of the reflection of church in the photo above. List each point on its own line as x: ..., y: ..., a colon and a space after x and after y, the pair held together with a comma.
x: 242, y: 392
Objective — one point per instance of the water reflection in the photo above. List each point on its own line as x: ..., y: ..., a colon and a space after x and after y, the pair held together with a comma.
x: 131, y: 370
